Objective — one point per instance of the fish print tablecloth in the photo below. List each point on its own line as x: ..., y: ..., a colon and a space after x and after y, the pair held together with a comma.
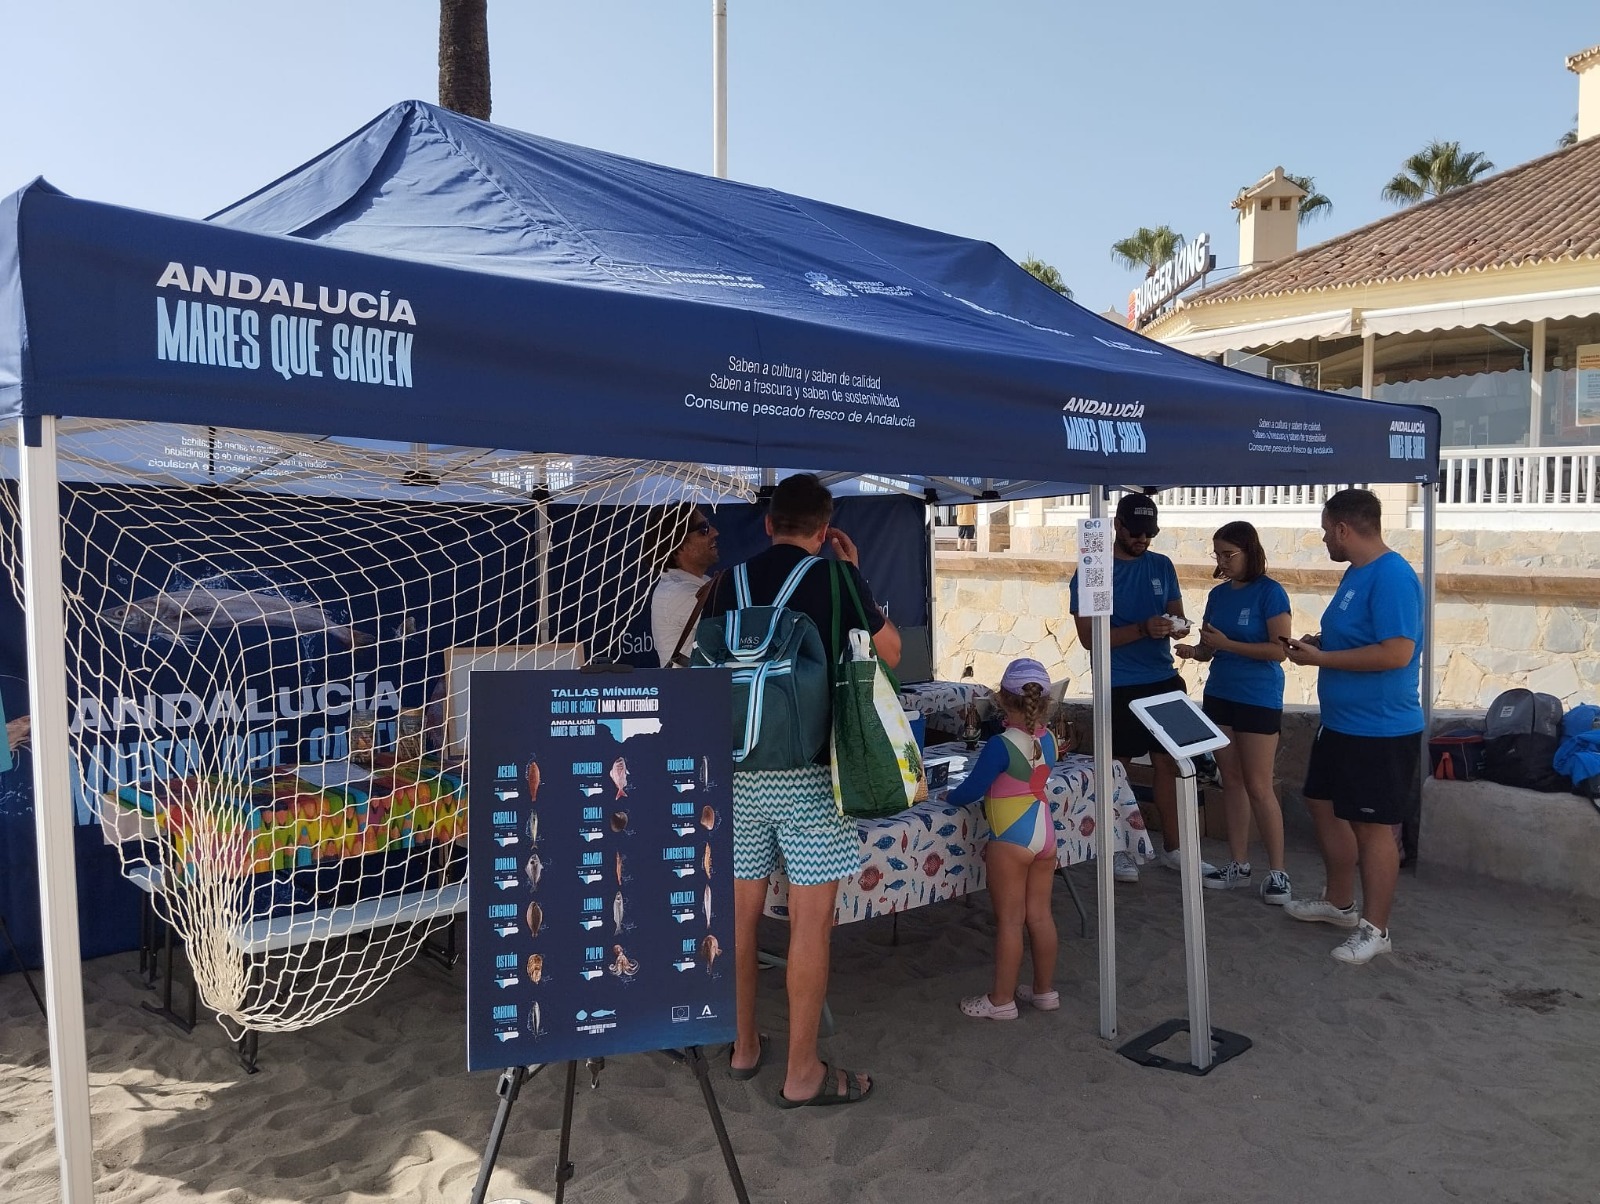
x: 945, y: 702
x: 934, y: 851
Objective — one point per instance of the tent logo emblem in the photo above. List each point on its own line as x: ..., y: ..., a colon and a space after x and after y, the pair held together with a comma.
x: 827, y: 285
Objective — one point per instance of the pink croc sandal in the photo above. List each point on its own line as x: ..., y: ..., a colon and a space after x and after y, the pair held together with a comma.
x: 979, y: 1008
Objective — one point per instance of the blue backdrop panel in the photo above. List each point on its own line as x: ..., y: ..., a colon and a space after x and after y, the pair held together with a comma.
x: 889, y: 532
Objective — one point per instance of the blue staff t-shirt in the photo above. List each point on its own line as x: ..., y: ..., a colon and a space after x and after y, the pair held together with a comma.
x: 1376, y: 602
x: 1141, y: 588
x: 1241, y: 614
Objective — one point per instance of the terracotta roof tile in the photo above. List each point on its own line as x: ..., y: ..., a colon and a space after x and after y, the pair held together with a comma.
x: 1544, y: 210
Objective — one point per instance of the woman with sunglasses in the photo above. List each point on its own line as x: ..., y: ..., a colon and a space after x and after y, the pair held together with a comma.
x: 1246, y: 620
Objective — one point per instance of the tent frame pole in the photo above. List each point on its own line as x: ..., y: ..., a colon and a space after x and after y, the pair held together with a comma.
x: 1430, y: 535
x: 52, y: 805
x: 719, y: 89
x: 1104, y: 789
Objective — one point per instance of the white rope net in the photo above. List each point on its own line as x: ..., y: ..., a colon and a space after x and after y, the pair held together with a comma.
x: 269, y: 640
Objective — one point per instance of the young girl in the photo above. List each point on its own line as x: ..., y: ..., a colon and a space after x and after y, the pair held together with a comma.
x: 1246, y: 621
x: 1010, y: 775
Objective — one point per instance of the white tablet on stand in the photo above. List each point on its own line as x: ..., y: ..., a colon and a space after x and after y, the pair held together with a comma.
x: 1185, y: 731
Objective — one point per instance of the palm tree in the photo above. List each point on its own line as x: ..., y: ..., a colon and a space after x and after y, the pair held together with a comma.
x: 1046, y: 275
x: 1314, y: 203
x: 1570, y: 138
x: 464, y: 57
x: 1436, y: 169
x: 1147, y: 248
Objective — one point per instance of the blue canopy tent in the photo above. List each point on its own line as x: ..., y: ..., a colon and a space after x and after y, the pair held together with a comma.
x: 452, y: 284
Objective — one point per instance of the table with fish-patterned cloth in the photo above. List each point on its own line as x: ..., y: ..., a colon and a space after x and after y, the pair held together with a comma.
x: 934, y: 851
x: 944, y: 703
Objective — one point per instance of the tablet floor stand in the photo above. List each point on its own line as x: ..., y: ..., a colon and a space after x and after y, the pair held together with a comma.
x: 1204, y: 1054
x: 510, y: 1084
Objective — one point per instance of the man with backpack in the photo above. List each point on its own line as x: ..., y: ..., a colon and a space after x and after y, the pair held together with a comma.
x: 1365, y: 771
x: 792, y: 810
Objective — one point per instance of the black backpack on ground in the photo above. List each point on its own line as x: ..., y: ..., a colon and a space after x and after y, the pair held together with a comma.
x: 1520, y: 738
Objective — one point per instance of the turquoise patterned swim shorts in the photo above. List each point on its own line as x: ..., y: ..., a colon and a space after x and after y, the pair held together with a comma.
x: 791, y: 811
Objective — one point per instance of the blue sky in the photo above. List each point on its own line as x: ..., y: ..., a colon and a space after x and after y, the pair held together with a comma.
x: 1048, y: 127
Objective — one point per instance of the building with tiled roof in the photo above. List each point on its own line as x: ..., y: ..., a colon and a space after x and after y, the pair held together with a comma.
x: 1483, y: 302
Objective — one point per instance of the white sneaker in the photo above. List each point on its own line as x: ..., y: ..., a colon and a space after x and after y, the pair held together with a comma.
x: 1364, y: 944
x: 1234, y: 874
x: 1173, y: 860
x: 1124, y: 868
x: 979, y: 1008
x: 1049, y: 1001
x: 1320, y: 911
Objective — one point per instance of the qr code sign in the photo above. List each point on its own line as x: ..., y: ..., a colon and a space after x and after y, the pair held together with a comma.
x: 1100, y: 601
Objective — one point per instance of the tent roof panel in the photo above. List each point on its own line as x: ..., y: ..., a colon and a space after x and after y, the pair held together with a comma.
x: 438, y: 279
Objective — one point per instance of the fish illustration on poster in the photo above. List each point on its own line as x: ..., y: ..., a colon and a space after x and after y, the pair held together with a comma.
x: 607, y: 932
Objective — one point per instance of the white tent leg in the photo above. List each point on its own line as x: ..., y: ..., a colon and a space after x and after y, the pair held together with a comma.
x: 1430, y: 501
x: 1100, y: 676
x: 52, y: 806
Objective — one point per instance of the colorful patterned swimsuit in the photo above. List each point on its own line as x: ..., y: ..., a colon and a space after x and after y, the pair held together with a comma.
x: 1016, y: 806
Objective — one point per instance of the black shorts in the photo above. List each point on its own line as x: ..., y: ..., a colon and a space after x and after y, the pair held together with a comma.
x: 1368, y: 779
x: 1242, y: 716
x: 1129, y: 737
x: 966, y: 532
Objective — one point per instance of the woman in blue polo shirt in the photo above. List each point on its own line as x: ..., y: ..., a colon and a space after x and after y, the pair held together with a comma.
x: 1246, y: 620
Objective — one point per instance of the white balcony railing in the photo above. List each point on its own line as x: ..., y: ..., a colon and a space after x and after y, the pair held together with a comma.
x: 1520, y: 476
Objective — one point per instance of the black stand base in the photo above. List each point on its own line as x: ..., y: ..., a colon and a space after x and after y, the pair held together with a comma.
x: 510, y: 1084
x: 1225, y: 1046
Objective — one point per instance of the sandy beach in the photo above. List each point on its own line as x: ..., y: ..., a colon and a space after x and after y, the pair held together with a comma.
x: 1461, y: 1068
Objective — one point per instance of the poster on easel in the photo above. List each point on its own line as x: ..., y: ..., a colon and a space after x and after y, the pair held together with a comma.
x: 600, y: 849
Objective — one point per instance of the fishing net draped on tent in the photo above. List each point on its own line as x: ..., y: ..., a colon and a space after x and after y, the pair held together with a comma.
x: 268, y: 646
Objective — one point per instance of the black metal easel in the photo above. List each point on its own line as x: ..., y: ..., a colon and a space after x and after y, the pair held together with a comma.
x: 510, y: 1084
x: 27, y: 975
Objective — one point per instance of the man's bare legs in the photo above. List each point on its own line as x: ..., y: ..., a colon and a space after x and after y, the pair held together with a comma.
x: 749, y: 898
x: 810, y: 938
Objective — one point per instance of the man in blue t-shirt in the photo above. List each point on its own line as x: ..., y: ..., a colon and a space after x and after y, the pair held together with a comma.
x: 1364, y: 775
x: 1146, y: 611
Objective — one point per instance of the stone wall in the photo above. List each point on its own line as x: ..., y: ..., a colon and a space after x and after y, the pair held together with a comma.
x: 1512, y: 609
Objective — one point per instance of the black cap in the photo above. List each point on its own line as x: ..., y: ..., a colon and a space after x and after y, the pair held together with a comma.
x: 1137, y: 514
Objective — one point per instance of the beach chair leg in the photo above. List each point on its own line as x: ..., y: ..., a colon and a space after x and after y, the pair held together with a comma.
x: 1077, y: 901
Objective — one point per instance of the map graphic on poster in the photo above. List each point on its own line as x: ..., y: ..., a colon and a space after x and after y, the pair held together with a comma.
x: 600, y: 847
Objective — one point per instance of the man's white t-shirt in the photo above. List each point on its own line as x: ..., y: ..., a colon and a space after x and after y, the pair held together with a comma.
x: 671, y: 604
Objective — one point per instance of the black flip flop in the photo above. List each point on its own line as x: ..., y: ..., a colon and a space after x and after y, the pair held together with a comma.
x: 828, y: 1093
x: 741, y: 1074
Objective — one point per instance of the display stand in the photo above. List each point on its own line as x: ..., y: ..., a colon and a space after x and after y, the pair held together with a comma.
x: 510, y: 1085
x: 1185, y: 731
x: 600, y: 844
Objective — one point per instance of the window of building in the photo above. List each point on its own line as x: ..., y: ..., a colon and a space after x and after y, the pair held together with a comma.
x: 1566, y: 423
x: 1479, y: 380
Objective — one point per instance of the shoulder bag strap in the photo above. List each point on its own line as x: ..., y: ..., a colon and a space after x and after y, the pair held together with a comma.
x: 792, y: 581
x: 679, y: 659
